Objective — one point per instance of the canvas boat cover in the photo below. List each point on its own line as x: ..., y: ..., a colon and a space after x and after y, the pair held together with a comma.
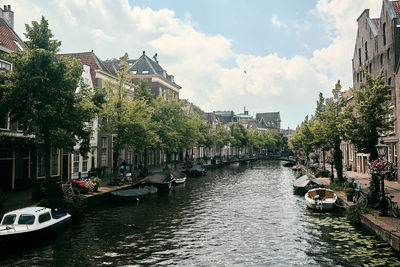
x: 303, y: 181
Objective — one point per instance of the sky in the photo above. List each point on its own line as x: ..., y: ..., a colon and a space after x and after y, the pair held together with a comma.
x: 265, y: 56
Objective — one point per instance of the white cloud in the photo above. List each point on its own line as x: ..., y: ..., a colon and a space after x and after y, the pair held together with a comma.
x: 271, y: 82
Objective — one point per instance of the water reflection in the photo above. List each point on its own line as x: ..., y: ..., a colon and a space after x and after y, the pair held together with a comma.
x: 234, y: 216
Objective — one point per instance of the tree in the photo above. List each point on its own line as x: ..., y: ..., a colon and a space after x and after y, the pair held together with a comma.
x: 40, y: 95
x: 239, y: 135
x: 222, y: 137
x: 331, y: 119
x: 118, y: 109
x: 366, y: 119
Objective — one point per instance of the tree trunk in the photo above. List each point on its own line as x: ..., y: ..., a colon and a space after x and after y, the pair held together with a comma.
x: 323, y: 158
x: 337, y: 159
x: 47, y: 151
x: 146, y: 165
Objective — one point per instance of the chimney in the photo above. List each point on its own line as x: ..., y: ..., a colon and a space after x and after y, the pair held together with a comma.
x: 8, y: 16
x: 144, y: 52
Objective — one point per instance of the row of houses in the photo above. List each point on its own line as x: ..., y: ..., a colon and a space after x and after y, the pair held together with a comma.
x: 20, y: 163
x: 377, y: 47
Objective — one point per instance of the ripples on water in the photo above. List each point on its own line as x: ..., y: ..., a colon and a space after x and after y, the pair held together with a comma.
x: 231, y: 217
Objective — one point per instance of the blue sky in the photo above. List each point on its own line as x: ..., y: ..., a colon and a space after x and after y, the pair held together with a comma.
x: 248, y: 23
x: 290, y: 50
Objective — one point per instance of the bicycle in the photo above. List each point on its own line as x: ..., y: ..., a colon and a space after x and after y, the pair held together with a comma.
x: 360, y: 197
x: 392, y: 206
x: 69, y: 189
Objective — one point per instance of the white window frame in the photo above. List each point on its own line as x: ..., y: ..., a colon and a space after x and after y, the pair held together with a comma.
x: 8, y: 122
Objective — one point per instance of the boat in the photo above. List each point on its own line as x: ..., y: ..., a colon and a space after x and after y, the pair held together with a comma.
x: 179, y: 177
x: 296, y: 168
x: 30, y: 223
x: 305, y: 183
x: 131, y: 194
x: 235, y: 164
x: 287, y: 164
x: 321, y: 199
x: 162, y: 180
x: 197, y: 170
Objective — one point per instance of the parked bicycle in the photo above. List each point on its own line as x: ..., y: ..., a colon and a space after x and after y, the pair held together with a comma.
x: 70, y: 188
x: 392, y: 206
x: 360, y: 197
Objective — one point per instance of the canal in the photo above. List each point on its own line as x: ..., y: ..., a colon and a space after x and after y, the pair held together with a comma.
x: 236, y: 216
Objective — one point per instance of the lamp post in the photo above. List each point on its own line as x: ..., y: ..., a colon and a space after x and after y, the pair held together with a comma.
x: 381, y: 149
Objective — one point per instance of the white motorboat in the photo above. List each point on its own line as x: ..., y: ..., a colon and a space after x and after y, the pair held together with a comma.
x: 30, y: 223
x: 321, y: 199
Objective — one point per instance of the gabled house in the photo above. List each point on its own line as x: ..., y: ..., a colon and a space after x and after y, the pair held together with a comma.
x: 270, y: 121
x: 17, y: 152
x: 377, y: 46
x: 95, y: 73
x: 158, y: 80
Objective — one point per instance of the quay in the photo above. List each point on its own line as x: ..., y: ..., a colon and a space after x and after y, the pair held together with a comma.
x: 386, y: 227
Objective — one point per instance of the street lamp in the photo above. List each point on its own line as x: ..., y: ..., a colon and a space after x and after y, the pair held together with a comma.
x: 382, y: 149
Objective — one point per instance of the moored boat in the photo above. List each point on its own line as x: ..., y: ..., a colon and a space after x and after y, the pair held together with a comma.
x: 30, y: 223
x: 321, y: 199
x: 197, y: 170
x: 179, y: 177
x: 287, y: 164
x: 304, y: 183
x: 161, y: 180
x: 132, y: 194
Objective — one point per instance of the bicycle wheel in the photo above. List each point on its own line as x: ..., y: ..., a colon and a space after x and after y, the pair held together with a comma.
x: 395, y: 210
x: 75, y: 191
x: 356, y: 196
x: 362, y: 201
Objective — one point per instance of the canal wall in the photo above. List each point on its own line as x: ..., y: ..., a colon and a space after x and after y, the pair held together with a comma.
x: 387, y: 228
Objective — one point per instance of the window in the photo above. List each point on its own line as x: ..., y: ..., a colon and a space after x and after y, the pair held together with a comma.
x: 134, y: 72
x: 358, y: 77
x: 76, y: 161
x: 103, y: 158
x: 359, y: 56
x: 84, y: 163
x: 390, y: 81
x: 40, y: 167
x: 9, y: 219
x: 370, y: 68
x: 26, y: 219
x: 4, y: 65
x: 388, y: 54
x: 5, y: 121
x: 145, y: 72
x: 104, y: 142
x: 44, y: 217
x: 384, y: 33
x: 381, y: 59
x: 366, y: 51
x: 54, y: 162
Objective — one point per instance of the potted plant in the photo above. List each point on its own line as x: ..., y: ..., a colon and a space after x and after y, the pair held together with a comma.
x: 349, y: 193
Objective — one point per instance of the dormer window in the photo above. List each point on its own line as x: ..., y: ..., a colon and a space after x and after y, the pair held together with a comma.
x: 145, y: 72
x: 134, y: 72
x: 19, y: 46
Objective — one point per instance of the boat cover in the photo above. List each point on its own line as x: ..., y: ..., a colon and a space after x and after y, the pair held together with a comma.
x: 303, y: 181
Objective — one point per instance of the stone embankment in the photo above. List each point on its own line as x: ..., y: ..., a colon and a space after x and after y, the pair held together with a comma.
x: 385, y: 227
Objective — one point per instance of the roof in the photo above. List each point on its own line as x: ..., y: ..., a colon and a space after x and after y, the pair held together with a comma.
x: 377, y: 22
x: 90, y: 59
x: 271, y: 119
x: 8, y: 38
x: 396, y: 8
x: 143, y: 66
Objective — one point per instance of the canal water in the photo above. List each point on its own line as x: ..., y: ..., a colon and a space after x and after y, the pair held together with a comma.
x: 235, y: 216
